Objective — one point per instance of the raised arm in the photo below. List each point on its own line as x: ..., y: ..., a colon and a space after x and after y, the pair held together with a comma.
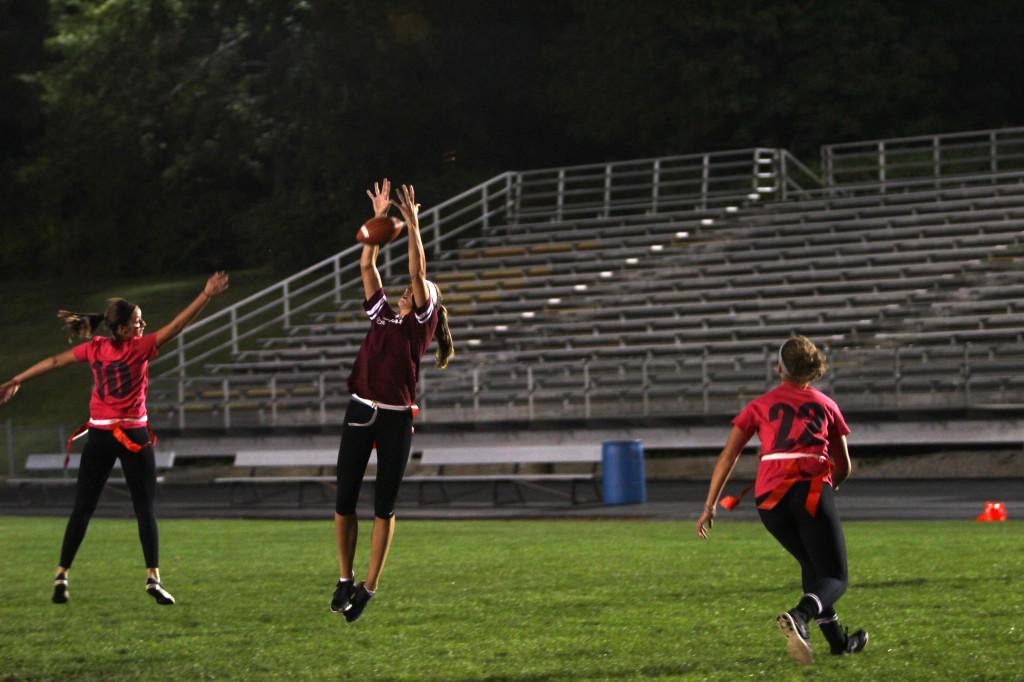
x: 720, y: 476
x: 368, y: 270
x: 216, y: 284
x: 380, y: 198
x: 10, y: 387
x: 417, y: 259
x: 840, y: 453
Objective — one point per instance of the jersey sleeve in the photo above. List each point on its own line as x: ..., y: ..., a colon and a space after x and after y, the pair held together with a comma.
x: 377, y: 305
x: 81, y: 351
x: 425, y: 312
x: 148, y: 347
x: 837, y: 425
x: 746, y: 420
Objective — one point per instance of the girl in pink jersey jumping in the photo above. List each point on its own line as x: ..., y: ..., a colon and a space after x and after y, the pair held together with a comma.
x: 383, y: 388
x: 117, y: 420
x: 803, y: 457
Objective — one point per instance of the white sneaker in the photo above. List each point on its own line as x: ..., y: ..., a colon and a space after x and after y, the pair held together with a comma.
x: 157, y: 591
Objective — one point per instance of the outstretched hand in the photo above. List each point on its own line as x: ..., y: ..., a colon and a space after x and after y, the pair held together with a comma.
x: 7, y: 390
x: 407, y: 205
x: 216, y: 284
x: 705, y: 521
x: 380, y: 197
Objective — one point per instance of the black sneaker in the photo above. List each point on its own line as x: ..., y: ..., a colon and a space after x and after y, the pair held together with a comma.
x: 360, y: 598
x: 855, y: 643
x: 794, y: 628
x: 342, y: 594
x: 60, y: 589
x: 157, y: 591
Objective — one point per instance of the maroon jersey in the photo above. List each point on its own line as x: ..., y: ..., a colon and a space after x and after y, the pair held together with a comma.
x: 120, y: 371
x: 387, y: 365
x: 790, y: 419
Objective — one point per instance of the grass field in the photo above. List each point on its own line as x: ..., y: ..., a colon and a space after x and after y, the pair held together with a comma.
x: 549, y: 600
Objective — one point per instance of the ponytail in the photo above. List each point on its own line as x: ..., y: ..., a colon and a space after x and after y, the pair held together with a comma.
x: 86, y: 325
x: 445, y: 346
x: 83, y: 325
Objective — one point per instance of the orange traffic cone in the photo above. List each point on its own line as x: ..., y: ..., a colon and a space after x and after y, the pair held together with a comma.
x: 993, y: 511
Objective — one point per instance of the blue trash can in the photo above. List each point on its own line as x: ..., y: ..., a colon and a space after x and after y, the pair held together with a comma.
x: 623, y: 480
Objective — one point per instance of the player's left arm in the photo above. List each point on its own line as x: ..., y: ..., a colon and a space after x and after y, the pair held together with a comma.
x: 720, y: 476
x: 843, y: 466
x: 417, y: 258
x: 215, y: 285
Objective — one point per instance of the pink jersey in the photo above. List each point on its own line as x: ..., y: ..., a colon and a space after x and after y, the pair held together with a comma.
x: 120, y: 371
x: 387, y: 365
x: 790, y: 419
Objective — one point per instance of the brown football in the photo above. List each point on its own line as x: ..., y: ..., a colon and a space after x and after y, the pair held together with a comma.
x: 379, y: 230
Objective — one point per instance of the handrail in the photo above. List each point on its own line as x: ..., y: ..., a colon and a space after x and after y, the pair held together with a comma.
x: 438, y: 224
x: 861, y: 377
x: 656, y: 184
x: 878, y: 165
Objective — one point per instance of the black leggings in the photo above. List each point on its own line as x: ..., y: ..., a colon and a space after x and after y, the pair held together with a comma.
x: 815, y: 541
x: 98, y: 457
x: 392, y: 431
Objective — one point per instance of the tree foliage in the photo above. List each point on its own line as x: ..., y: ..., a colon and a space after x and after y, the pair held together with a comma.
x: 182, y: 135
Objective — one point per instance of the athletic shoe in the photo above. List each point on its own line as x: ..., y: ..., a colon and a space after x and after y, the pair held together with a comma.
x: 794, y: 628
x: 342, y: 594
x: 60, y: 589
x: 855, y: 643
x: 157, y: 591
x: 360, y: 598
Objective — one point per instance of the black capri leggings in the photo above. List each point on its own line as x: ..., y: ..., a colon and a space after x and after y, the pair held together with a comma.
x: 392, y: 431
x: 816, y: 542
x: 98, y: 457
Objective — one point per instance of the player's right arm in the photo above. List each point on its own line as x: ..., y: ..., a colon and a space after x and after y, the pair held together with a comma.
x: 11, y: 386
x: 720, y: 476
x: 840, y: 453
x: 368, y: 270
x: 380, y: 199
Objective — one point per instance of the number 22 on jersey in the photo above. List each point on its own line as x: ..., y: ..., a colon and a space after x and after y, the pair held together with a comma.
x: 809, y: 415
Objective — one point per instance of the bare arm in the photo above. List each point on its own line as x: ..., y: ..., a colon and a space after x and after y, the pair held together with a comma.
x: 368, y: 270
x: 10, y: 387
x: 840, y: 453
x: 380, y: 199
x: 216, y: 284
x: 720, y: 476
x: 417, y: 259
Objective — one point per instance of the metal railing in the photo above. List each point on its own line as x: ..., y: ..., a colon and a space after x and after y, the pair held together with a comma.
x: 870, y: 379
x: 661, y: 184
x: 220, y: 335
x: 668, y: 183
x: 927, y: 161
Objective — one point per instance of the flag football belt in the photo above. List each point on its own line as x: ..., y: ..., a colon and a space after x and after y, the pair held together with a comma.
x: 383, y: 406
x: 119, y: 435
x: 793, y: 475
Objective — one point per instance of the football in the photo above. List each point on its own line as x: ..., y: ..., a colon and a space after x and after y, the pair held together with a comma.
x: 379, y: 230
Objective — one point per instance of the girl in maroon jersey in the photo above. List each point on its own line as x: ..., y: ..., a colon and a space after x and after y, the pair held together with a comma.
x: 803, y: 455
x: 383, y: 388
x: 117, y: 426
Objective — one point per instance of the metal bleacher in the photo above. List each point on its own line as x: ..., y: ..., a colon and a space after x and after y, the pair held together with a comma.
x: 662, y: 287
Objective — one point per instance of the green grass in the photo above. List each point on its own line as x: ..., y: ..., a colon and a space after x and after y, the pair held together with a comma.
x: 555, y: 600
x: 32, y: 332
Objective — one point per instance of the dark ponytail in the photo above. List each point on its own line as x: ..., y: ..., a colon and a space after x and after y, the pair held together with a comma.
x: 445, y: 346
x: 86, y: 325
x: 80, y: 324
